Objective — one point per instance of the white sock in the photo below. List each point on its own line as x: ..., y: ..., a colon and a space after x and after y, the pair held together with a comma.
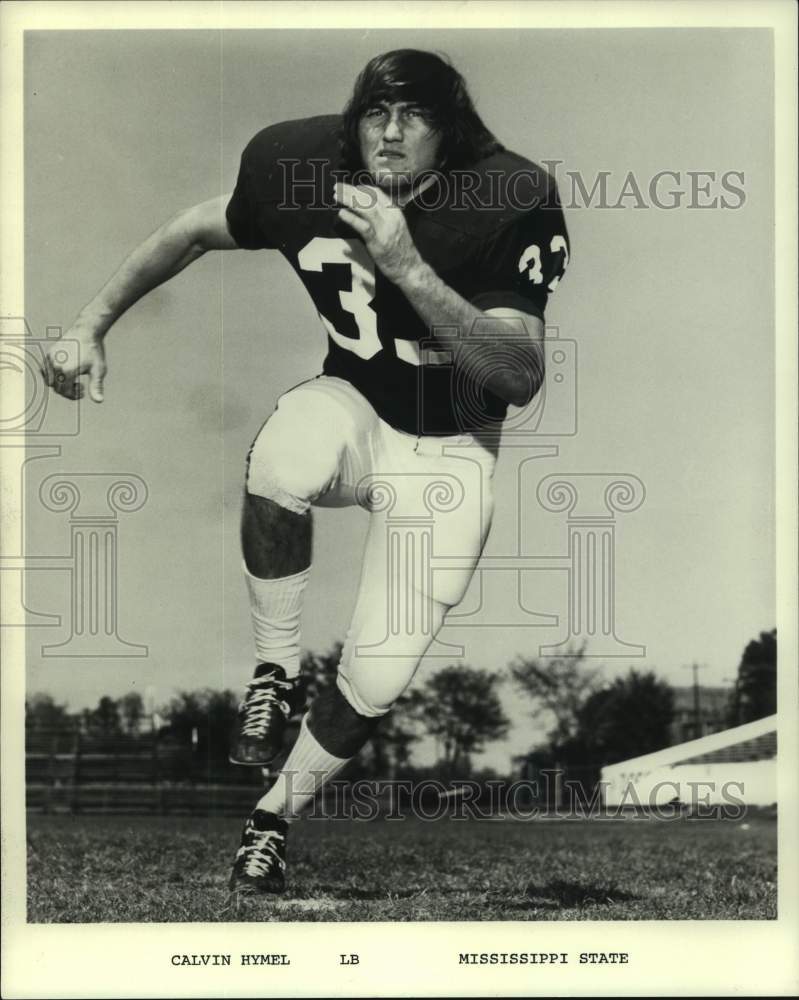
x: 275, y: 606
x: 296, y: 785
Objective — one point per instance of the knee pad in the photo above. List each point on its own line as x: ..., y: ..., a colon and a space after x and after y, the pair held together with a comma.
x: 377, y: 666
x: 361, y: 701
x: 291, y: 462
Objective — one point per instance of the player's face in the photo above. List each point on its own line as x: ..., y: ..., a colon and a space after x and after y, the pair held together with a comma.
x: 398, y: 142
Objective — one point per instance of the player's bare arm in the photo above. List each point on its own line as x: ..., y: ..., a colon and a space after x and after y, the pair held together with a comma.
x: 171, y: 248
x: 381, y: 224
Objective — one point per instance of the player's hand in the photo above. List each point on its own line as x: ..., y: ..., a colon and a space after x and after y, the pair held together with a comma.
x: 64, y: 376
x: 381, y: 224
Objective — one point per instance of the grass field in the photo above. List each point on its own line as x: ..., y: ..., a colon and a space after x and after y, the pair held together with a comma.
x: 120, y: 869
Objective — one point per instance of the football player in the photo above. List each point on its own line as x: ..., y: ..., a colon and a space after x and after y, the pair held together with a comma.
x: 429, y: 251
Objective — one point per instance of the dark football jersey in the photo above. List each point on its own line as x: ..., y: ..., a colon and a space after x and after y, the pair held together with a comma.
x: 494, y: 233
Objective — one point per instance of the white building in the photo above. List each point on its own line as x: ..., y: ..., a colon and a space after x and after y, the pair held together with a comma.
x: 736, y: 765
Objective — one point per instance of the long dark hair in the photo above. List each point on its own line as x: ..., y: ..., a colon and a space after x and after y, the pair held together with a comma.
x: 428, y: 80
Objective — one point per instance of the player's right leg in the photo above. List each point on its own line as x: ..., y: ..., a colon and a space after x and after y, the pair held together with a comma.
x: 401, y: 603
x: 316, y: 448
x: 276, y: 545
x: 296, y: 458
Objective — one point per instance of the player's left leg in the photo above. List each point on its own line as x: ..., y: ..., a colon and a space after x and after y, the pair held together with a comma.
x: 375, y: 668
x: 421, y: 554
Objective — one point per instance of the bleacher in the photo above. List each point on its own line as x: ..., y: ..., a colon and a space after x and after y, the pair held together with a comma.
x: 150, y: 772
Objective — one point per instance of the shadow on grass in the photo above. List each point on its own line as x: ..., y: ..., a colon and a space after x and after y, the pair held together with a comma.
x: 554, y: 895
x: 568, y: 895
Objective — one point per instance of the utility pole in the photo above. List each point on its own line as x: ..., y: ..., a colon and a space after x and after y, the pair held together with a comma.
x: 696, y: 667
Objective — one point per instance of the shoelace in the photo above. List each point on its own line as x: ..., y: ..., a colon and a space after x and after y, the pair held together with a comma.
x: 258, y: 704
x: 262, y: 853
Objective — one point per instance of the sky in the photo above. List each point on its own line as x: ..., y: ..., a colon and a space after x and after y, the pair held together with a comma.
x: 669, y: 311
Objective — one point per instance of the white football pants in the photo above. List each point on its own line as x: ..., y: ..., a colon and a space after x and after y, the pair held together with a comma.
x: 429, y: 500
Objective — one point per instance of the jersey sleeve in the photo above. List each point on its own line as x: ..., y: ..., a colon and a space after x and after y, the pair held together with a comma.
x: 522, y: 264
x: 248, y: 211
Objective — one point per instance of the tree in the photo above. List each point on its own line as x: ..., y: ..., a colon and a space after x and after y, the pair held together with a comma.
x: 755, y: 693
x: 319, y: 669
x: 459, y: 705
x: 131, y: 708
x: 390, y: 744
x: 630, y: 717
x: 43, y: 713
x: 212, y: 714
x: 104, y: 719
x: 557, y: 685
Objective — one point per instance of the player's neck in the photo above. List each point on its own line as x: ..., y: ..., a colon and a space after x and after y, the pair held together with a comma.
x: 417, y: 189
x: 402, y: 196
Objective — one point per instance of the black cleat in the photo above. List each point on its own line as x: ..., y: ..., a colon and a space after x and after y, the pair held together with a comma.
x: 261, y: 860
x: 269, y: 703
